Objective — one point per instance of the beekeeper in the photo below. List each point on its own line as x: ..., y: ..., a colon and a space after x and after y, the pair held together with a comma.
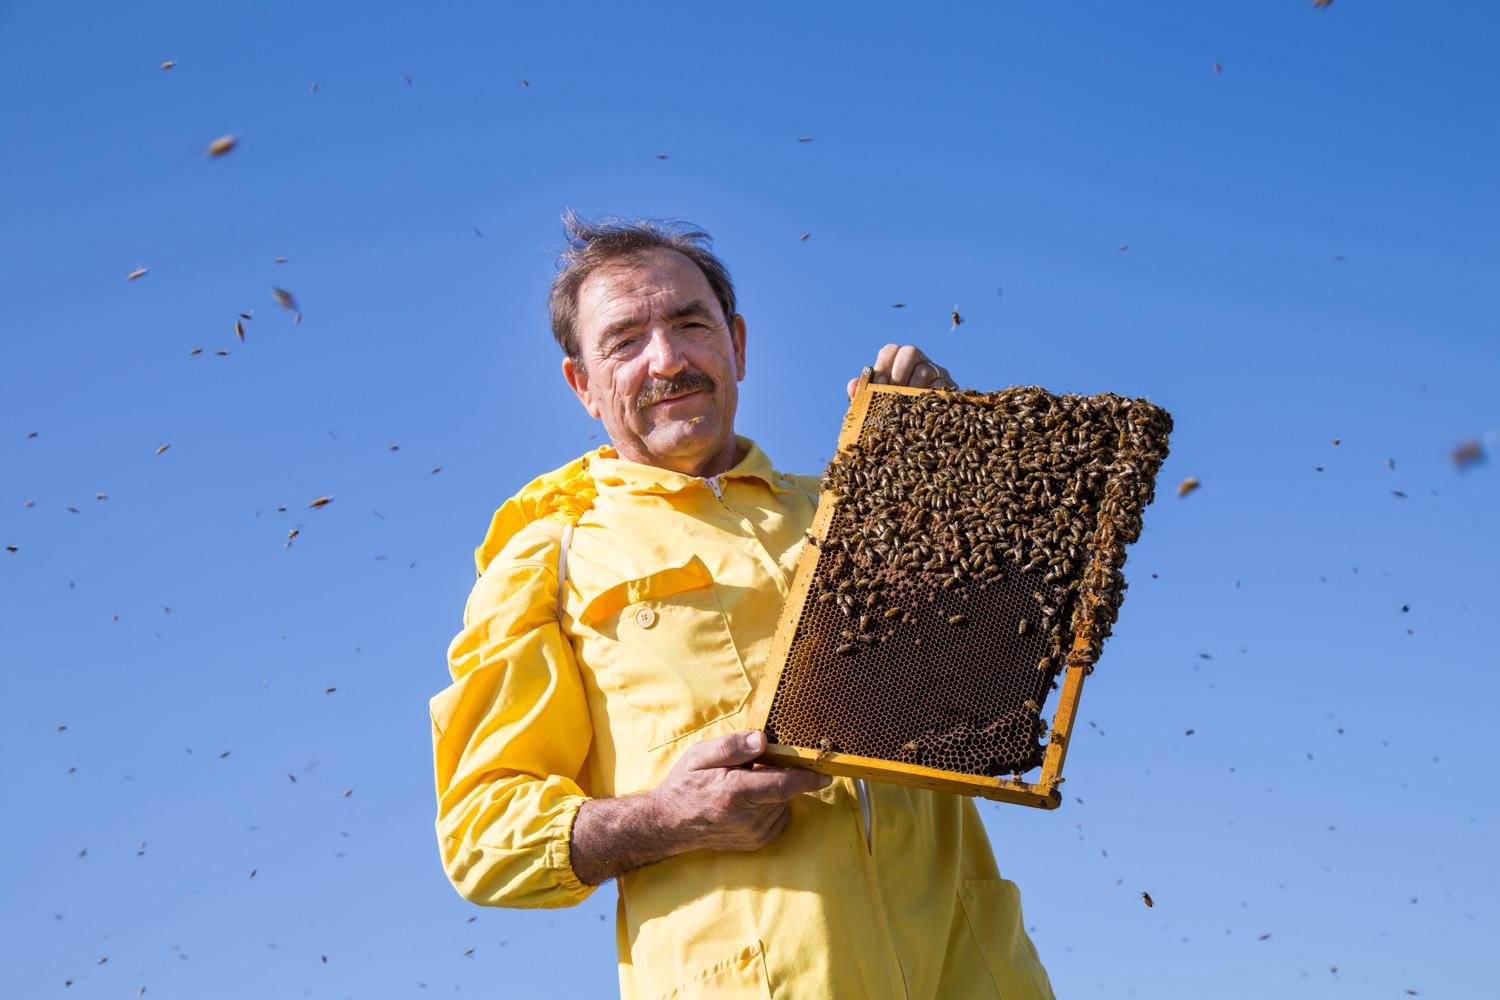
x: 596, y: 724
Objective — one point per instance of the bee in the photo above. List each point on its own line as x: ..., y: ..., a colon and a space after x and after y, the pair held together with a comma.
x: 1187, y: 486
x: 810, y: 539
x: 1146, y: 898
x: 891, y: 612
x: 1032, y: 706
x: 138, y: 272
x: 846, y: 649
x: 825, y: 747
x: 1023, y: 627
x: 221, y: 145
x: 320, y: 502
x: 958, y: 620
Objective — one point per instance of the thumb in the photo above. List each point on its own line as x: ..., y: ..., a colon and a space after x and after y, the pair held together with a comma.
x: 730, y: 750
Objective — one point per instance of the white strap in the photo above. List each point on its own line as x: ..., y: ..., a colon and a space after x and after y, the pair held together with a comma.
x: 562, y: 565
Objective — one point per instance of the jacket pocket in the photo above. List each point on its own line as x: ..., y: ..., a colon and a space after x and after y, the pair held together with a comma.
x: 664, y: 652
x: 993, y: 909
x: 741, y: 976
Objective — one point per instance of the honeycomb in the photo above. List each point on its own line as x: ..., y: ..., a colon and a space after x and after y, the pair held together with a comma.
x: 974, y: 552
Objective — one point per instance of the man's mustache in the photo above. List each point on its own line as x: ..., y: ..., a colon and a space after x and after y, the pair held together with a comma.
x: 659, y: 389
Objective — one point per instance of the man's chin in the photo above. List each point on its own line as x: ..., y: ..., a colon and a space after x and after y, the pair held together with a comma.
x: 697, y: 430
x: 688, y: 438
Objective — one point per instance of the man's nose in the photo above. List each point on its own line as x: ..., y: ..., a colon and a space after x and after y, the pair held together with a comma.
x: 664, y: 354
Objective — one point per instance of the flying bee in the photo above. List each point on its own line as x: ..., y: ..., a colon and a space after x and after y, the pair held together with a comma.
x: 1146, y: 898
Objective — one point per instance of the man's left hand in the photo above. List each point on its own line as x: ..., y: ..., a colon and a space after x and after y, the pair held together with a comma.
x: 907, y: 365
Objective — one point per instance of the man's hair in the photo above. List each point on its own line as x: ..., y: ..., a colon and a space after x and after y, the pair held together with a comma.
x: 594, y: 245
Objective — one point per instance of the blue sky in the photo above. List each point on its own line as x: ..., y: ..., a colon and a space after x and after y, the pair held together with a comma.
x: 1298, y: 248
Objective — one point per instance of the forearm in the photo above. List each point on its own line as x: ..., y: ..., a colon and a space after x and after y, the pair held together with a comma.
x: 614, y: 836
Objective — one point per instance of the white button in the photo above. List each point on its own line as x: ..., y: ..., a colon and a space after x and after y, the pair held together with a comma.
x: 645, y: 617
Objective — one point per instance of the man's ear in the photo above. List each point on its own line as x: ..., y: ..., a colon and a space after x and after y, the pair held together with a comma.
x: 577, y: 378
x: 737, y: 337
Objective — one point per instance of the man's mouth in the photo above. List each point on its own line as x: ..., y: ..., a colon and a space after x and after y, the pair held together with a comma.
x: 673, y: 399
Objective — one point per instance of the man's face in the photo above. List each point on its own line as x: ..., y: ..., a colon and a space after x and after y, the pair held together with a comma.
x: 661, y: 366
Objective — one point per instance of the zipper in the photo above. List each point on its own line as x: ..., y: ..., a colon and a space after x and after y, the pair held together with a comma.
x: 862, y: 792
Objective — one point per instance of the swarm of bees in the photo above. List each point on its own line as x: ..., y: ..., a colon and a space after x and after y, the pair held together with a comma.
x: 975, y: 536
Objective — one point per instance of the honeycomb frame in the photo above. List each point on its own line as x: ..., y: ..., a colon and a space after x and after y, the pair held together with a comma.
x: 820, y: 672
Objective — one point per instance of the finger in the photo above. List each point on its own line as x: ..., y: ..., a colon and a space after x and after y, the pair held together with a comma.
x: 905, y: 364
x: 776, y: 784
x: 730, y: 750
x: 883, y: 362
x: 853, y: 384
x: 768, y: 817
x: 926, y: 374
x: 779, y: 826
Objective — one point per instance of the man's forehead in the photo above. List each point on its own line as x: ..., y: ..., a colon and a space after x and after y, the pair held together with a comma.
x: 659, y: 278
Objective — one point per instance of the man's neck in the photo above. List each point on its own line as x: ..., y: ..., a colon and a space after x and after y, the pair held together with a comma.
x: 715, y: 464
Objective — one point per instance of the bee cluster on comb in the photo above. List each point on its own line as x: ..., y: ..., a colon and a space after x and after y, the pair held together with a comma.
x: 973, y: 554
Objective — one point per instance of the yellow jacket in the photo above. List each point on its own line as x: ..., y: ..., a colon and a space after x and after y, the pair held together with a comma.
x: 670, y: 598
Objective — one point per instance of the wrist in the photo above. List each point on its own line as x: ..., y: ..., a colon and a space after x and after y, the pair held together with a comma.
x: 664, y: 822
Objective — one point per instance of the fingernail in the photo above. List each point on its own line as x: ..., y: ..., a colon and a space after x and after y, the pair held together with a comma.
x: 755, y: 742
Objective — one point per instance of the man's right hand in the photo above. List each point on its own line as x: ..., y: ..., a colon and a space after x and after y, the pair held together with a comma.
x: 717, y: 798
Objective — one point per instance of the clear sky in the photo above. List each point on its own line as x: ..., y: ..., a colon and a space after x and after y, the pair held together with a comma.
x: 1294, y: 245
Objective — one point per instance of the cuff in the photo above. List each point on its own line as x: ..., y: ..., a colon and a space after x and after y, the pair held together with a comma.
x: 560, y: 851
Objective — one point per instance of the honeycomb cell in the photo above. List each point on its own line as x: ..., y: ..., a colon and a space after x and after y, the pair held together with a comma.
x: 973, y: 554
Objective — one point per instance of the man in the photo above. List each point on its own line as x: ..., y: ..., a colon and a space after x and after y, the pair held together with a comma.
x: 596, y: 729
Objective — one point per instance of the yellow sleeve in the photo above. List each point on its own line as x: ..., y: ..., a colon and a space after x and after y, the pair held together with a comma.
x: 509, y: 737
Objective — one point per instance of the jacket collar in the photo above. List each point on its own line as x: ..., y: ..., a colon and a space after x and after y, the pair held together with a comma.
x: 613, y: 474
